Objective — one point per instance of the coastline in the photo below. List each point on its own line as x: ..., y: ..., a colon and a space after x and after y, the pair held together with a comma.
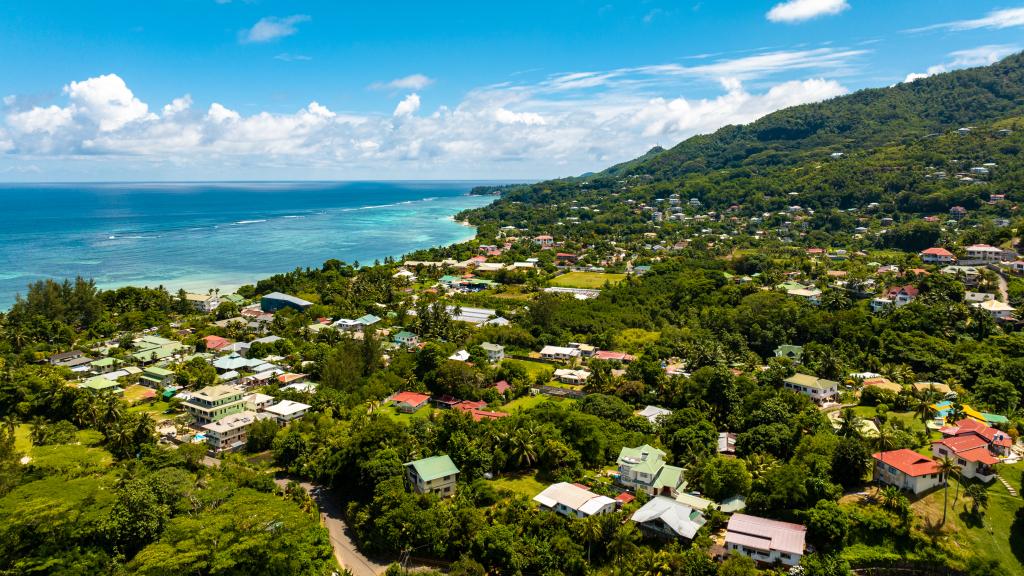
x: 191, y: 236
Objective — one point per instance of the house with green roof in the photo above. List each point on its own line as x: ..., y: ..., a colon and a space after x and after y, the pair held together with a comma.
x: 434, y: 475
x: 406, y: 338
x: 156, y: 377
x: 644, y: 468
x: 101, y: 384
x: 104, y: 365
x: 791, y: 351
x: 818, y: 389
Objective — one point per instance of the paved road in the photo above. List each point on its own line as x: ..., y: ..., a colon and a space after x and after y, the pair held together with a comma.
x: 345, y: 551
x: 1004, y: 295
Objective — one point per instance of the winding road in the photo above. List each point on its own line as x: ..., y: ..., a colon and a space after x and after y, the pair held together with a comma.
x: 345, y: 551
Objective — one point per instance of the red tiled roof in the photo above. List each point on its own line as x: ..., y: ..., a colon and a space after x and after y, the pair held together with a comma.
x: 479, y: 415
x: 937, y: 252
x: 961, y: 443
x: 969, y: 426
x: 411, y: 398
x: 978, y: 455
x: 907, y: 461
x: 502, y: 386
x: 625, y: 497
x: 467, y: 405
x: 215, y: 342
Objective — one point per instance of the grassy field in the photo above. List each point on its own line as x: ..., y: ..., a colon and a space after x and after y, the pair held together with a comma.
x: 421, y: 414
x: 586, y: 279
x: 137, y: 392
x: 533, y: 368
x: 908, y: 418
x: 991, y: 538
x: 525, y: 484
x: 527, y: 402
x: 156, y: 410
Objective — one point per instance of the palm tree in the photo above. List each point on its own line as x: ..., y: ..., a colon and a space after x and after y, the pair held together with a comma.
x: 523, y: 447
x: 979, y: 497
x: 947, y: 466
x: 112, y: 410
x: 923, y: 409
x: 623, y: 542
x: 590, y: 530
x: 849, y: 424
x: 891, y: 497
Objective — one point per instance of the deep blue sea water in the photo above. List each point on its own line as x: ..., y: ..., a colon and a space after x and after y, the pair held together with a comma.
x: 205, y: 235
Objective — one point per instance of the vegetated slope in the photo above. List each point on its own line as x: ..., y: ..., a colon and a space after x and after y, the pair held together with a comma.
x: 865, y: 119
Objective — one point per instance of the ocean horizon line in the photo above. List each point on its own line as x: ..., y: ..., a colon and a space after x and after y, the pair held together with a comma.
x: 250, y: 182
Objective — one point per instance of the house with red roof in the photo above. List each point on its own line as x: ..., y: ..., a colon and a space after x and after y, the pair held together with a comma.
x: 976, y: 447
x: 479, y: 415
x: 907, y: 470
x: 502, y: 386
x: 409, y: 402
x: 216, y: 343
x: 937, y: 256
x: 902, y: 295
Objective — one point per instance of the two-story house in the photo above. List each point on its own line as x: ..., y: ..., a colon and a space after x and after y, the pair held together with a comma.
x: 644, y: 468
x: 434, y: 475
x: 215, y: 402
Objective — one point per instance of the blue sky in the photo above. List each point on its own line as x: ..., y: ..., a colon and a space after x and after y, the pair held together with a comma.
x: 262, y: 89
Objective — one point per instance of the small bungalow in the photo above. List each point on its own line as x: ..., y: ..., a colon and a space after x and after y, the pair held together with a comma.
x: 665, y: 518
x: 574, y: 501
x: 766, y: 541
x: 907, y: 470
x: 409, y: 402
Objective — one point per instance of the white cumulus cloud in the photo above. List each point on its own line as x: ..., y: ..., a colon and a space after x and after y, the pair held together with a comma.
x: 408, y: 106
x: 564, y: 124
x: 801, y: 10
x: 271, y: 28
x: 980, y: 56
x: 410, y: 82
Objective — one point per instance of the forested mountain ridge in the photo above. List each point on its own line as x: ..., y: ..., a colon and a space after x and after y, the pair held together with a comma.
x: 865, y: 119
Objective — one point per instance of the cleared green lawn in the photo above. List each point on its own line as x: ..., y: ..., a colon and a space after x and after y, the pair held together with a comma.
x: 421, y: 414
x: 992, y: 538
x: 907, y: 418
x: 586, y: 279
x: 156, y: 410
x: 525, y: 484
x: 527, y: 402
x: 533, y: 368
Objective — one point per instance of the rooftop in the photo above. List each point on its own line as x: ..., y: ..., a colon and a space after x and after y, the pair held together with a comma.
x: 434, y: 467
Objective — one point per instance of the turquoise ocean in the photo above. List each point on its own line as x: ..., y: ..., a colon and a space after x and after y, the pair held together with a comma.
x: 216, y: 235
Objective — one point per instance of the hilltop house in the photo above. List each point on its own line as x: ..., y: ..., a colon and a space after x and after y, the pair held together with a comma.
x: 653, y: 413
x: 406, y: 338
x: 156, y: 377
x: 495, y: 352
x: 766, y: 541
x: 286, y: 410
x: 434, y: 475
x: 644, y: 468
x: 907, y: 470
x: 937, y: 256
x: 997, y: 309
x: 818, y: 389
x: 985, y: 254
x: 902, y: 295
x: 791, y: 351
x: 663, y: 517
x: 975, y: 446
x: 215, y: 402
x: 229, y: 433
x: 574, y: 501
x: 560, y: 353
